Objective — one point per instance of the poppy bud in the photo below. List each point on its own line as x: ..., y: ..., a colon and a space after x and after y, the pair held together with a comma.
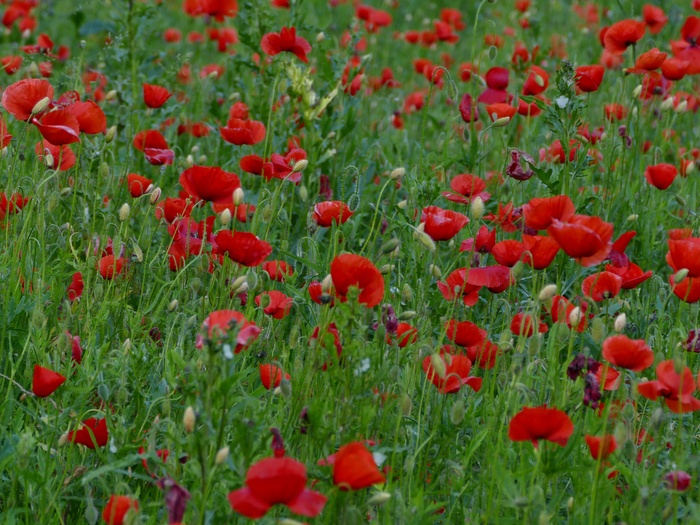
x: 111, y: 95
x: 238, y: 196
x: 620, y: 435
x: 406, y: 404
x: 138, y: 253
x: 438, y: 365
x: 238, y: 284
x: 598, y: 330
x: 41, y: 105
x: 680, y: 108
x: 632, y: 217
x: 221, y: 455
x: 173, y: 305
x: 194, y: 149
x: 267, y: 213
x: 680, y: 200
x: 476, y: 208
x: 303, y: 193
x: 690, y: 169
x: 189, y: 161
x: 48, y: 160
x: 424, y: 238
x: 407, y: 315
x: 390, y: 245
x: 320, y: 37
x: 202, y: 159
x: 620, y: 323
x: 575, y: 316
x: 300, y: 165
x: 379, y: 499
x: 637, y: 91
x: 189, y: 419
x: 435, y: 271
x: 666, y: 104
x: 225, y: 217
x: 402, y: 204
x: 387, y: 269
x: 110, y: 134
x: 397, y: 173
x: 457, y: 413
x: 327, y: 283
x: 63, y: 440
x: 680, y: 275
x: 543, y: 518
x: 499, y: 123
x: 518, y: 269
x: 124, y: 212
x: 155, y: 196
x: 34, y: 70
x: 406, y: 293
x: 547, y: 292
x: 570, y: 505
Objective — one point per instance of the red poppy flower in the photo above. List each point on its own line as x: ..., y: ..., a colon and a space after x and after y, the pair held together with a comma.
x: 209, y: 183
x: 661, y: 175
x: 116, y: 509
x: 63, y: 157
x: 442, y: 225
x: 109, y: 266
x: 484, y: 354
x: 243, y: 132
x: 20, y: 98
x: 632, y: 354
x: 509, y: 218
x: 623, y: 34
x: 274, y: 303
x: 45, y: 381
x: 354, y: 468
x: 688, y: 290
x: 684, y: 253
x: 271, y: 376
x: 648, y: 61
x: 465, y: 333
x: 601, y: 286
x: 601, y: 447
x: 218, y: 9
x: 674, y: 68
x: 326, y: 213
x: 561, y: 310
x: 405, y: 335
x: 536, y: 82
x: 75, y: 288
x: 89, y: 428
x: 278, y: 270
x: 467, y: 108
x: 508, y: 253
x: 154, y: 146
x: 456, y: 286
x: 525, y: 325
x: 457, y: 368
x: 688, y: 49
x: 155, y: 96
x: 496, y: 279
x: 466, y: 187
x: 678, y: 480
x: 276, y: 481
x: 218, y: 323
x: 330, y: 336
x: 59, y: 127
x: 534, y: 424
x: 584, y: 238
x: 654, y: 18
x: 138, y: 185
x: 91, y: 119
x: 631, y: 275
x: 350, y: 270
x: 242, y: 247
x: 540, y: 251
x: 677, y: 389
x: 286, y: 40
x: 589, y: 78
x: 500, y: 110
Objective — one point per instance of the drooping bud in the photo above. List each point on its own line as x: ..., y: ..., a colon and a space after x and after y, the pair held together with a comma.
x: 547, y: 292
x: 189, y: 420
x: 155, y: 196
x: 397, y: 173
x: 666, y: 104
x: 575, y: 316
x: 173, y: 305
x: 41, y: 105
x: 221, y: 455
x: 111, y: 133
x: 680, y: 275
x: 620, y: 323
x: 124, y: 211
x: 300, y: 165
x: 303, y: 193
x: 423, y: 238
x: 499, y: 123
x: 379, y: 499
x: 438, y: 366
x: 476, y: 208
x: 238, y: 196
x: 327, y: 283
x: 225, y: 217
x: 435, y: 271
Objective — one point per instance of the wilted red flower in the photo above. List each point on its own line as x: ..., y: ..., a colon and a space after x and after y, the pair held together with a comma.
x: 661, y: 175
x: 534, y: 424
x: 242, y: 247
x: 589, y: 78
x: 155, y: 96
x: 89, y: 428
x: 466, y: 187
x: 623, y: 34
x: 209, y: 183
x: 138, y: 185
x: 467, y: 109
x: 601, y: 286
x: 273, y: 481
x: 456, y: 368
x: 274, y: 303
x: 109, y: 266
x: 601, y: 447
x: 271, y: 376
x: 45, y: 381
x: 584, y: 238
x: 286, y: 40
x: 243, y: 132
x: 677, y: 389
x: 441, y: 224
x: 20, y: 98
x: 350, y: 270
x: 632, y: 354
x: 116, y: 509
x: 326, y: 213
x: 354, y: 468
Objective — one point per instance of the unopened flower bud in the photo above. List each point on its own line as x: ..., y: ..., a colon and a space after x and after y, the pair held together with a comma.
x: 575, y: 316
x: 189, y: 161
x: 499, y: 123
x: 221, y: 455
x: 680, y: 275
x: 48, y: 160
x: 406, y: 293
x: 155, y: 195
x: 637, y: 91
x: 238, y: 196
x: 124, y: 212
x: 437, y: 363
x: 202, y: 160
x: 632, y: 217
x: 547, y: 292
x: 386, y: 269
x: 238, y: 284
x: 539, y: 80
x: 320, y: 37
x: 402, y: 204
x: 41, y: 105
x: 63, y: 440
x: 424, y: 238
x: 111, y: 95
x: 379, y: 499
x: 620, y: 323
x: 225, y: 217
x: 457, y: 413
x: 327, y: 283
x: 476, y: 208
x: 406, y: 404
x: 111, y: 133
x: 682, y: 106
x: 681, y: 200
x: 390, y: 245
x: 300, y: 165
x: 407, y: 315
x: 666, y: 104
x: 518, y: 269
x: 189, y: 420
x: 303, y: 193
x: 397, y: 173
x: 688, y: 170
x: 173, y: 305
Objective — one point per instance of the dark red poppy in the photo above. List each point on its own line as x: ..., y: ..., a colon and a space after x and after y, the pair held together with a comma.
x: 109, y: 266
x: 465, y: 333
x: 138, y: 185
x: 329, y: 212
x: 20, y: 98
x: 278, y: 270
x: 467, y: 109
x: 155, y: 96
x: 274, y: 303
x: 286, y: 40
x: 466, y: 187
x: 91, y: 427
x: 354, y: 468
x: 58, y: 127
x: 675, y: 388
x: 678, y: 480
x: 632, y: 354
x: 584, y: 238
x: 350, y: 270
x: 441, y: 224
x: 243, y: 132
x: 276, y: 481
x: 456, y: 373
x: 601, y: 286
x: 508, y: 253
x: 209, y: 183
x: 589, y: 78
x: 75, y: 288
x: 601, y: 447
x: 242, y: 247
x: 271, y: 376
x: 117, y: 508
x: 535, y: 424
x: 45, y: 381
x: 540, y: 251
x: 623, y: 34
x: 654, y: 17
x: 661, y: 175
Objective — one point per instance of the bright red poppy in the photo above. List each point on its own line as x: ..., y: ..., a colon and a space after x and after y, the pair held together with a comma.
x: 58, y: 127
x: 441, y: 224
x: 465, y: 188
x: 350, y: 270
x: 75, y: 288
x: 154, y: 146
x: 329, y: 212
x: 110, y: 266
x: 276, y: 481
x: 354, y: 468
x: 602, y: 285
x: 242, y: 247
x: 218, y: 323
x: 456, y: 367
x: 278, y: 270
x: 286, y: 40
x: 217, y: 9
x: 91, y: 427
x: 675, y: 388
x: 684, y: 253
x: 271, y: 376
x: 687, y: 49
x: 155, y: 96
x: 661, y: 175
x: 138, y: 185
x: 631, y: 354
x: 465, y: 333
x: 540, y: 251
x: 209, y: 184
x: 654, y: 17
x: 584, y: 238
x: 45, y: 381
x: 274, y: 303
x: 243, y: 132
x: 540, y: 212
x: 405, y: 335
x: 116, y: 509
x: 601, y: 447
x: 535, y: 424
x: 91, y: 119
x: 589, y: 78
x: 623, y: 34
x: 508, y: 253
x: 525, y: 325
x: 20, y: 98
x: 456, y: 286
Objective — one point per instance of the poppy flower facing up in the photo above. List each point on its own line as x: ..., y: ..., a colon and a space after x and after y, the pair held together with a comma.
x: 442, y: 225
x: 350, y: 270
x: 243, y: 132
x: 632, y: 354
x: 584, y: 238
x: 675, y: 388
x: 286, y: 40
x: 91, y: 427
x: 276, y: 481
x: 354, y: 468
x: 535, y: 424
x: 117, y: 508
x: 326, y: 213
x: 209, y: 184
x: 45, y: 381
x: 242, y: 247
x: 155, y: 96
x: 456, y: 372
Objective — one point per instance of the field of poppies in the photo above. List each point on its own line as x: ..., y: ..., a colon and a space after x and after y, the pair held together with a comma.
x: 321, y: 261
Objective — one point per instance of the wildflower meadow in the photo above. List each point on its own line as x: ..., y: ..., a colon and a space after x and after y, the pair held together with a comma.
x: 326, y: 261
